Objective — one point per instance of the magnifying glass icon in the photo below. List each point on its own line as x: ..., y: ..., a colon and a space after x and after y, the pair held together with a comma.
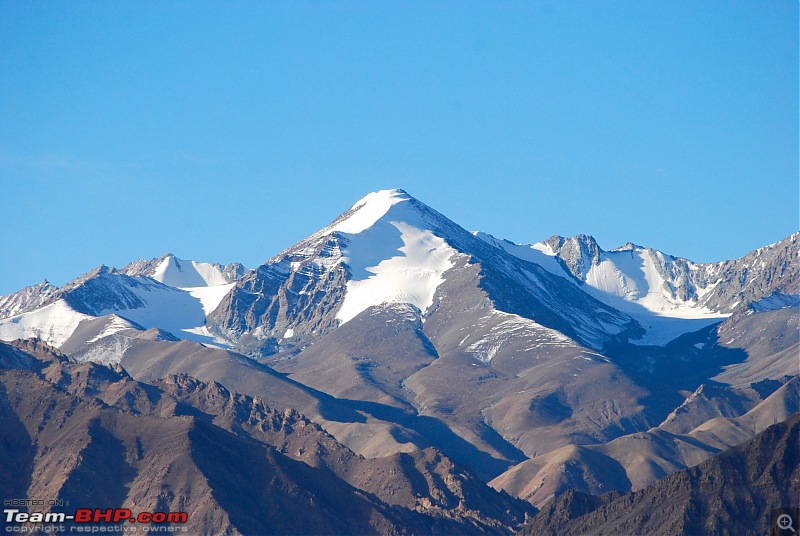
x: 785, y: 521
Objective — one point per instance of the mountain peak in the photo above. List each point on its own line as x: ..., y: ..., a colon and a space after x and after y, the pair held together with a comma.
x: 381, y: 194
x: 100, y: 270
x: 184, y: 273
x: 628, y: 246
x: 368, y: 210
x: 582, y: 241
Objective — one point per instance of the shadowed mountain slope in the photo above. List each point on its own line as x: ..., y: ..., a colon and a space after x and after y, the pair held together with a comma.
x: 732, y: 493
x: 91, y: 434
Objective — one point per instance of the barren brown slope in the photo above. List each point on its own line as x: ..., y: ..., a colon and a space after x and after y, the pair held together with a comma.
x: 635, y: 461
x: 485, y: 387
x: 734, y: 492
x: 353, y: 422
x: 423, y: 481
x: 60, y: 445
x: 738, y: 399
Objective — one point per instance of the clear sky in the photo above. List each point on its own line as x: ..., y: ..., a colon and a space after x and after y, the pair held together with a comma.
x: 228, y: 131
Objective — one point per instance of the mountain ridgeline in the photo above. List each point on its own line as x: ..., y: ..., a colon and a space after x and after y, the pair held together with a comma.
x: 436, y: 380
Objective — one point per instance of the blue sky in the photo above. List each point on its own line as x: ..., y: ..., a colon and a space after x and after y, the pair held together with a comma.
x: 228, y: 131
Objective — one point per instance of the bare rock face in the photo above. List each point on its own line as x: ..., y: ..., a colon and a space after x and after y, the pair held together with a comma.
x: 578, y: 253
x: 27, y: 299
x: 755, y: 276
x: 293, y: 293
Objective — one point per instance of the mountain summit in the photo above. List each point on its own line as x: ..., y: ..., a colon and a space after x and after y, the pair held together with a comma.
x: 392, y: 251
x: 391, y: 248
x: 541, y: 366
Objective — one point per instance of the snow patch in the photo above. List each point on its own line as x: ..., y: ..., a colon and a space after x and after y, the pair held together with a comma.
x: 115, y: 324
x: 181, y: 312
x: 108, y: 351
x: 180, y: 273
x: 381, y: 275
x: 508, y: 329
x: 369, y: 210
x: 210, y: 296
x: 540, y: 254
x: 53, y: 323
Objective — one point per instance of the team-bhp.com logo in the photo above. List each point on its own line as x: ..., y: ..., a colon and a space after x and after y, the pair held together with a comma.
x: 96, y: 520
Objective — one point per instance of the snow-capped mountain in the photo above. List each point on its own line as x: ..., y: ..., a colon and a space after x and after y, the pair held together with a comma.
x: 27, y: 299
x: 663, y: 284
x: 179, y: 273
x: 667, y: 295
x: 391, y: 248
x: 167, y: 293
x: 657, y: 282
x: 538, y: 366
